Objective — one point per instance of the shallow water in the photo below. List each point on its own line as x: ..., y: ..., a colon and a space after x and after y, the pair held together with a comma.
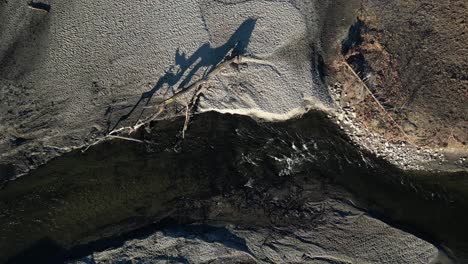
x: 118, y: 186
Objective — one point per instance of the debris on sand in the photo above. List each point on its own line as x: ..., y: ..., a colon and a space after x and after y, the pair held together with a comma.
x: 39, y: 6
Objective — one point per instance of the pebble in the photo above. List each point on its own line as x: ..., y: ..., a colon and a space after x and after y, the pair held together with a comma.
x: 400, y: 154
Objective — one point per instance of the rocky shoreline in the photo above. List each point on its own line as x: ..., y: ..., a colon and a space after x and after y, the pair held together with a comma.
x: 404, y: 154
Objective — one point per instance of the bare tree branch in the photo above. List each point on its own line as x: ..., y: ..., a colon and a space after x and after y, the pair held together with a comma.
x: 197, y: 88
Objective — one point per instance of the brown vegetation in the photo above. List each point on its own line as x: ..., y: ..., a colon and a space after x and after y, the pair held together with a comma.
x: 414, y: 63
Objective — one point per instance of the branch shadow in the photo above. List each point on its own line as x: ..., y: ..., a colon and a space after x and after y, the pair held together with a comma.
x: 205, y: 56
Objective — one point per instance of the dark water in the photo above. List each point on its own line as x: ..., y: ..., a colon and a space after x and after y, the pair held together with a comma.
x: 118, y: 186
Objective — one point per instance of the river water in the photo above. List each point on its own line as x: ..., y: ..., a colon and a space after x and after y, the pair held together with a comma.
x: 119, y: 186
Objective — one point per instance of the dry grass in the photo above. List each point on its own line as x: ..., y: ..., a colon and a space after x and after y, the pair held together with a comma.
x: 372, y: 114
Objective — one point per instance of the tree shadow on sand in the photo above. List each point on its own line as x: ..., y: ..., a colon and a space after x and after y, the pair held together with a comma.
x: 205, y: 56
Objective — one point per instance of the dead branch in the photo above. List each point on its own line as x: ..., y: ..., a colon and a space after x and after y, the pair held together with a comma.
x: 377, y: 101
x: 200, y: 86
x: 187, y: 117
x: 108, y: 137
x: 126, y: 138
